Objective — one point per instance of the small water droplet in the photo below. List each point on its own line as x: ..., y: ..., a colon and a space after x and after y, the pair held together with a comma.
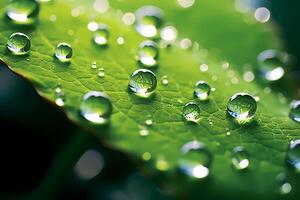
x: 203, y: 67
x: 186, y: 3
x: 262, y: 14
x: 293, y: 155
x: 295, y: 110
x: 186, y: 43
x: 149, y: 19
x: 92, y: 26
x: 128, y: 18
x: 94, y: 65
x: 146, y: 156
x: 19, y: 44
x: 101, y: 35
x: 101, y: 72
x: 225, y: 65
x: 149, y: 120
x: 168, y: 34
x: 23, y: 12
x: 120, y: 40
x: 142, y: 82
x: 202, y: 90
x: 284, y: 186
x: 191, y: 112
x: 63, y: 52
x: 96, y: 107
x: 267, y: 90
x: 242, y: 106
x: 101, y: 6
x: 248, y: 76
x: 239, y: 159
x: 148, y: 54
x: 144, y: 131
x: 165, y: 80
x: 195, y: 160
x: 213, y: 89
x: 271, y: 64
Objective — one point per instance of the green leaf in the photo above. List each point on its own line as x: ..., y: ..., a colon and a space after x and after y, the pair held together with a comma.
x: 216, y: 26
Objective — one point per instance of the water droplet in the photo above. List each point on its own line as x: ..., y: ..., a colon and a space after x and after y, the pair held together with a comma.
x: 60, y: 101
x: 168, y: 34
x: 146, y: 156
x: 248, y: 76
x: 262, y: 14
x: 52, y: 18
x: 144, y: 131
x: 186, y: 43
x: 149, y: 120
x: 239, y: 159
x: 89, y: 165
x: 23, y: 12
x: 284, y: 186
x: 186, y: 3
x: 120, y: 40
x: 92, y: 26
x: 295, y: 110
x: 203, y: 67
x: 101, y: 6
x: 242, y: 106
x: 101, y: 35
x: 162, y: 165
x: 165, y: 80
x: 202, y: 90
x: 293, y: 155
x: 148, y: 54
x: 149, y: 19
x: 94, y: 65
x: 142, y: 82
x: 63, y: 52
x: 195, y: 160
x: 225, y: 65
x: 101, y: 72
x: 191, y: 112
x: 96, y: 107
x: 128, y: 18
x: 271, y: 65
x: 75, y: 12
x: 19, y: 44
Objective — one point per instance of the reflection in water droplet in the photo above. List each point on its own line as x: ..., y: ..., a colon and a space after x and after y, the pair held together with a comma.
x: 242, y: 106
x: 23, y: 12
x: 142, y: 82
x: 149, y: 19
x: 195, y: 160
x: 191, y: 112
x: 148, y: 53
x: 89, y: 165
x: 128, y: 18
x: 293, y: 155
x: 186, y: 3
x: 295, y: 110
x: 63, y: 52
x: 262, y: 14
x: 271, y: 63
x: 240, y: 159
x: 101, y: 35
x: 19, y: 44
x: 101, y: 72
x: 202, y: 90
x: 96, y: 107
x: 168, y: 34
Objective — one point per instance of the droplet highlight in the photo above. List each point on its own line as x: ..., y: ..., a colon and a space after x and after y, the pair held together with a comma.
x: 202, y: 90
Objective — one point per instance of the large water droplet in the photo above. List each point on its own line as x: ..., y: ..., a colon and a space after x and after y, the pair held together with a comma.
x: 19, y: 44
x: 23, y: 12
x: 191, y: 112
x: 239, y: 159
x: 295, y: 111
x: 202, y: 90
x: 293, y: 155
x: 271, y: 64
x: 142, y: 82
x: 101, y: 35
x: 242, y: 106
x: 96, y: 107
x: 148, y: 54
x: 148, y: 21
x: 63, y: 52
x: 195, y: 160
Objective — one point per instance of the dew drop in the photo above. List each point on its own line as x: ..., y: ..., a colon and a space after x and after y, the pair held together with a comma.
x: 202, y: 90
x: 96, y: 107
x: 63, y: 52
x: 295, y: 110
x: 262, y: 14
x: 203, y: 67
x: 168, y: 34
x: 271, y: 65
x: 165, y: 80
x: 101, y: 35
x: 148, y: 54
x: 162, y: 165
x: 248, y: 76
x: 120, y: 40
x: 239, y: 158
x: 284, y: 186
x: 242, y: 106
x: 149, y: 19
x: 142, y: 82
x: 293, y: 155
x: 60, y: 101
x: 23, y: 12
x: 101, y: 72
x: 144, y: 131
x: 92, y: 26
x: 186, y: 43
x: 191, y: 112
x: 19, y: 44
x: 94, y: 65
x: 146, y: 156
x: 195, y: 160
x: 128, y: 18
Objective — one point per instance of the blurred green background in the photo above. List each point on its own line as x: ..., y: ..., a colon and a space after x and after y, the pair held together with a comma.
x: 34, y: 148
